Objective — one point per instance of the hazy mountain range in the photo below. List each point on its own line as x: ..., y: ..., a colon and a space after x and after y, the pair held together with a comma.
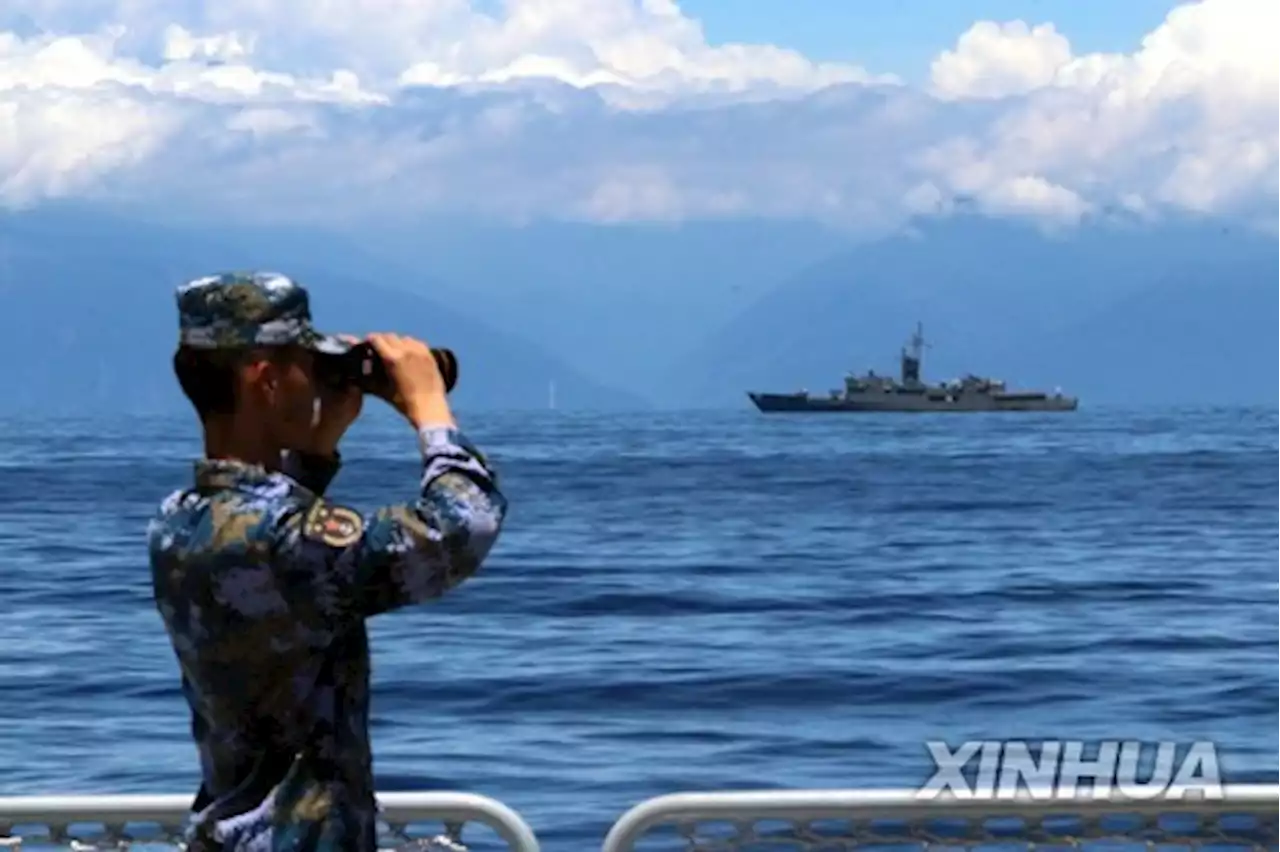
x: 633, y: 316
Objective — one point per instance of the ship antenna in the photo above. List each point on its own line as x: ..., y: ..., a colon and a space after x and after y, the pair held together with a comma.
x: 917, y: 341
x: 911, y: 362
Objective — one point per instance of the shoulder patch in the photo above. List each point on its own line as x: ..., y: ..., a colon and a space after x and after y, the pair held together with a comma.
x: 336, y: 526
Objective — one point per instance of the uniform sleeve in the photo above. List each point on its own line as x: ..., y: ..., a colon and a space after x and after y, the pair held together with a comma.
x: 334, y: 565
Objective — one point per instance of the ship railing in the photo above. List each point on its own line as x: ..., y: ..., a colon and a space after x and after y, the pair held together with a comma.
x: 813, y: 820
x: 420, y: 821
x: 1244, y: 817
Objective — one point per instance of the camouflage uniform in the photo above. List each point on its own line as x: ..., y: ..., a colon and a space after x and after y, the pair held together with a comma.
x: 264, y: 586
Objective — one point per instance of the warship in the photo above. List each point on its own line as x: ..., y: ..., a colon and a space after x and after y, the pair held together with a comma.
x: 872, y: 393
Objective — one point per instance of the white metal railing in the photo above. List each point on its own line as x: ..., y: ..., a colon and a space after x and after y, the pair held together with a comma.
x: 114, y: 821
x: 918, y: 819
x: 118, y: 820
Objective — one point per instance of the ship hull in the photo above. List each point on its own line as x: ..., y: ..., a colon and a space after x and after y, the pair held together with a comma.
x: 782, y: 403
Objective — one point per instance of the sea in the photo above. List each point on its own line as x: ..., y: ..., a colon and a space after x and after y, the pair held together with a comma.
x: 701, y: 601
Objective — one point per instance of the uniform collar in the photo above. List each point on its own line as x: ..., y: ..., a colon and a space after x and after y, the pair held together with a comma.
x: 221, y: 474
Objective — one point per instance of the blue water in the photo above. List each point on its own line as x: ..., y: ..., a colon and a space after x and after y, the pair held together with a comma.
x: 702, y: 601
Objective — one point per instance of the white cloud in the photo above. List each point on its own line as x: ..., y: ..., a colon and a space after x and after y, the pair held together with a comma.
x: 620, y: 109
x: 181, y: 46
x: 997, y: 60
x: 1188, y: 120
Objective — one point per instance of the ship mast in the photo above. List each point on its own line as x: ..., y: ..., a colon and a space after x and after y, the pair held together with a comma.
x: 911, y: 360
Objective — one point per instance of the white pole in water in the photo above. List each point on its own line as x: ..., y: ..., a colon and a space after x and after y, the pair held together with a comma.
x: 551, y: 395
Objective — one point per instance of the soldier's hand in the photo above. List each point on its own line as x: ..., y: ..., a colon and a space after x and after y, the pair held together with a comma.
x: 419, y: 388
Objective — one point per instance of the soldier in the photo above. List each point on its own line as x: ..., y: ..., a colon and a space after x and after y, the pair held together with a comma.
x: 264, y: 584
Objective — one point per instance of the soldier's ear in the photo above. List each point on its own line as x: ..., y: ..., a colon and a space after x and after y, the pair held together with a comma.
x: 258, y: 371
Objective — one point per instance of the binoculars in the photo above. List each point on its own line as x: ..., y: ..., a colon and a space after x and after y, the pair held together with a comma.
x: 362, y: 367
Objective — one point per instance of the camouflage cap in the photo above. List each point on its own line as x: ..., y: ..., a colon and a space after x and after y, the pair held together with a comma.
x: 243, y: 309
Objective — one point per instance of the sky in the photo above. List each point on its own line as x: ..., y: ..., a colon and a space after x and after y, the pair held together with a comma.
x: 907, y: 36
x: 860, y: 115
